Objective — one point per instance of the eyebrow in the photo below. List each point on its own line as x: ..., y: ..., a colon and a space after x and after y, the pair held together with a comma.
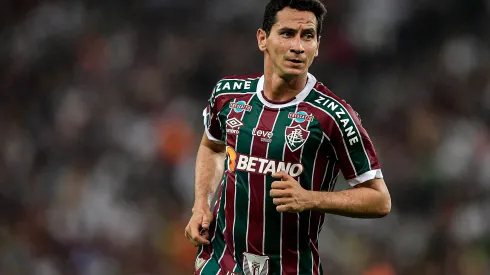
x: 308, y: 29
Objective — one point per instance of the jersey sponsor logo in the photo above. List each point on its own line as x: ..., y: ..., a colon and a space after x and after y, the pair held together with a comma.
x: 265, y: 136
x: 255, y: 264
x: 240, y: 106
x: 295, y: 137
x: 238, y: 84
x: 234, y: 124
x: 342, y: 117
x: 264, y: 166
x: 199, y: 263
x: 300, y: 116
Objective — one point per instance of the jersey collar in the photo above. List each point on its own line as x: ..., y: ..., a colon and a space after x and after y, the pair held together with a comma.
x: 310, y: 83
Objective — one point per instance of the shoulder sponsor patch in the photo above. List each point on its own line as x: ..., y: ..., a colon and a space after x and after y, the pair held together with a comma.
x: 340, y: 114
x: 234, y: 84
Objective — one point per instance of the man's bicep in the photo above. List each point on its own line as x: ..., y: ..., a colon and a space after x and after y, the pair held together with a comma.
x: 211, y: 144
x: 377, y: 184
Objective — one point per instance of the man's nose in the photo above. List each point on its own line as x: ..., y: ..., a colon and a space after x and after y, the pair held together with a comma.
x: 297, y: 46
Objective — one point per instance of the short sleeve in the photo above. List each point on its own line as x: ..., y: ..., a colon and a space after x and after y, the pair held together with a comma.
x: 357, y: 156
x: 211, y: 121
x: 353, y: 149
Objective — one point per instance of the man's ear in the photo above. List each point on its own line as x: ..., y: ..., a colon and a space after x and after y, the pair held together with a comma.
x: 261, y: 40
x: 317, y: 46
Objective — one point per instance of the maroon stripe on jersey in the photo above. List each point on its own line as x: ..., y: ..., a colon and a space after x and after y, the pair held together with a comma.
x: 208, y: 249
x: 228, y: 261
x: 319, y: 171
x: 257, y: 181
x: 290, y: 221
x: 318, y: 178
x: 329, y: 125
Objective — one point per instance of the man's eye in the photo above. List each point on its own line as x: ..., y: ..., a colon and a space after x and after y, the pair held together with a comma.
x: 309, y: 36
x: 287, y: 34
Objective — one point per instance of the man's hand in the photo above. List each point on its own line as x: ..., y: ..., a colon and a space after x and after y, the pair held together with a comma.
x: 197, y: 230
x: 288, y: 194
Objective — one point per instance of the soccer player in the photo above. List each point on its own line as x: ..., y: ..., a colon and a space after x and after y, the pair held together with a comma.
x: 273, y: 147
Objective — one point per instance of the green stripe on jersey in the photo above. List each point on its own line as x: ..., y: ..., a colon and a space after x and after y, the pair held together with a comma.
x: 350, y: 133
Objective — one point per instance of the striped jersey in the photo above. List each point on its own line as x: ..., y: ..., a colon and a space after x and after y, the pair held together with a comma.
x: 312, y: 137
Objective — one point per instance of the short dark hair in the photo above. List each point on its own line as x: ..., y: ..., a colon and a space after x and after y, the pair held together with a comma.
x: 274, y: 6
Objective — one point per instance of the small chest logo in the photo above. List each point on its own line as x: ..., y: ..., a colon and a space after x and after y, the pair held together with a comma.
x: 300, y: 116
x: 240, y: 106
x: 234, y: 122
x: 233, y: 125
x: 265, y: 136
x: 296, y: 137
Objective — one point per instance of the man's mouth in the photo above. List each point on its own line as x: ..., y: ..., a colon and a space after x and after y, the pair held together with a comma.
x: 297, y: 61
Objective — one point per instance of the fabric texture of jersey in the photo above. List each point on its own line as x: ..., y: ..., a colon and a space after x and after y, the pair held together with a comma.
x: 312, y: 137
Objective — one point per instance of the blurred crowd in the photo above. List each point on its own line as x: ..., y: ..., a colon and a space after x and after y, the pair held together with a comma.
x: 100, y: 120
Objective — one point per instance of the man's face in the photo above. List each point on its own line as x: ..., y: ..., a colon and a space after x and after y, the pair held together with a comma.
x: 292, y: 43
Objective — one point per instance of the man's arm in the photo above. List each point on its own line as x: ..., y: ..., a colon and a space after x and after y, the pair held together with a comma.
x: 370, y: 199
x: 209, y: 169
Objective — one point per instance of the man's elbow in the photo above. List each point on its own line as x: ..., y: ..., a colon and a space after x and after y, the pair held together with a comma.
x: 385, y: 208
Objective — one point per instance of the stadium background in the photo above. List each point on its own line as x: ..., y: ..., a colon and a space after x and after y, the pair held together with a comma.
x: 100, y: 118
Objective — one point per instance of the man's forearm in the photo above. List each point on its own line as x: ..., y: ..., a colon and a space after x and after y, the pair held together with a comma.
x: 362, y: 202
x: 209, y: 169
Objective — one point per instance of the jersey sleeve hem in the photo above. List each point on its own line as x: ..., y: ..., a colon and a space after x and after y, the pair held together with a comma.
x: 369, y: 175
x: 208, y: 134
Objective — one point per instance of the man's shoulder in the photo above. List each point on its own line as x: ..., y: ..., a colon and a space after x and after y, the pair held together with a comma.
x: 331, y: 105
x: 237, y: 84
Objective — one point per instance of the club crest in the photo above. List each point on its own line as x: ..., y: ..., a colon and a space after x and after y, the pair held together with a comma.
x: 295, y: 137
x: 199, y: 263
x: 255, y: 264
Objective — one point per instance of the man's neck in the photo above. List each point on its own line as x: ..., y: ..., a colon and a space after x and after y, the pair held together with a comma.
x: 277, y: 88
